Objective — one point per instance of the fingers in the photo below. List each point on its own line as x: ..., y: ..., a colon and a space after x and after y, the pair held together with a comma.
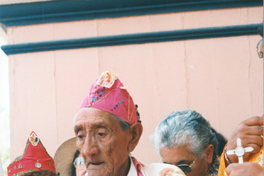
x: 253, y: 125
x: 254, y: 141
x: 249, y: 131
x: 234, y: 158
x: 251, y: 139
x: 255, y: 147
x: 256, y: 120
x: 247, y: 169
x: 231, y: 167
x: 254, y: 130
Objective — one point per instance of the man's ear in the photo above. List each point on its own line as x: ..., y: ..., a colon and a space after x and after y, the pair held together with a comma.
x: 209, y: 153
x: 135, y: 132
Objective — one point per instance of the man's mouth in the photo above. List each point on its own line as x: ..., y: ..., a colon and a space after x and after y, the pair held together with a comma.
x: 95, y: 164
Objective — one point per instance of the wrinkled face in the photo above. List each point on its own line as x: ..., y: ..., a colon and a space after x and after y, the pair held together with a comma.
x: 103, y: 144
x: 182, y: 155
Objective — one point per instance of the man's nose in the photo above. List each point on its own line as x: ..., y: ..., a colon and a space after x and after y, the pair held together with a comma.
x: 90, y: 148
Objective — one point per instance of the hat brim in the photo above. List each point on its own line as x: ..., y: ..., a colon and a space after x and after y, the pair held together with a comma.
x: 64, y: 157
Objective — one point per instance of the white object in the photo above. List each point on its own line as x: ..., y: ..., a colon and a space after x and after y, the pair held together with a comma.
x: 156, y: 169
x: 1, y: 169
x: 239, y: 151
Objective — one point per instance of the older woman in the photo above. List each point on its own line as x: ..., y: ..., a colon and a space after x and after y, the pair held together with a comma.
x: 186, y: 139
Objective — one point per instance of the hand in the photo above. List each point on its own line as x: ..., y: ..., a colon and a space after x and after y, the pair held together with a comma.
x: 245, y: 169
x: 249, y: 132
x: 81, y: 170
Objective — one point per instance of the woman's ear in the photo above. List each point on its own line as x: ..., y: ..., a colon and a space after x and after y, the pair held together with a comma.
x: 209, y: 153
x: 135, y: 131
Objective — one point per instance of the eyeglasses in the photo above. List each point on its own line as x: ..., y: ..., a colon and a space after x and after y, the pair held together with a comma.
x: 188, y: 168
x: 260, y: 48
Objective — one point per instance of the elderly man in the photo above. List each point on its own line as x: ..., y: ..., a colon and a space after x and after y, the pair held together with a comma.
x: 108, y: 128
x: 35, y: 160
x: 186, y: 139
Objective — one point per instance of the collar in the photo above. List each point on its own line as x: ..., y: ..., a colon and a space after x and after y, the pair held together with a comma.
x: 132, y: 170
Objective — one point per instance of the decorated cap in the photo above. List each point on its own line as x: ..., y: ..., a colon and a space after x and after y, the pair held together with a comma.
x: 34, y: 159
x: 109, y: 94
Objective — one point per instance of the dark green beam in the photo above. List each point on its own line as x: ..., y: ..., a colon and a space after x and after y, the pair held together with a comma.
x: 75, y: 10
x: 128, y: 39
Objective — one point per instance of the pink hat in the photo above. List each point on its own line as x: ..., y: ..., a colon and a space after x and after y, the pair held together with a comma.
x: 108, y: 94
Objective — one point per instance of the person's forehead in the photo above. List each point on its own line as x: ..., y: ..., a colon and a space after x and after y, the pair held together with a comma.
x: 94, y: 116
x: 176, y: 154
x: 92, y: 113
x: 176, y: 149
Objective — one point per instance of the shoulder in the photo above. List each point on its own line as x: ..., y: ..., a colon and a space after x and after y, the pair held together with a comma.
x: 160, y: 169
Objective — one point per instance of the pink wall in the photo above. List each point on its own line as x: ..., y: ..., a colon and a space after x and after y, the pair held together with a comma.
x: 222, y: 78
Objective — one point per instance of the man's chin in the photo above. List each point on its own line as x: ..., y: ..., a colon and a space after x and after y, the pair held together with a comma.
x: 98, y: 170
x: 99, y: 173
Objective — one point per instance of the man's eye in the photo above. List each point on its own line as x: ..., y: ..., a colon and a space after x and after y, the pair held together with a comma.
x: 101, y: 134
x: 80, y: 136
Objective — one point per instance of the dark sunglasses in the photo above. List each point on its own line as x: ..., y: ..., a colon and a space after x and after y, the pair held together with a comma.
x: 188, y: 168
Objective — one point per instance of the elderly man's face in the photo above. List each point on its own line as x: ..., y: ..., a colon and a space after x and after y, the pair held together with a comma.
x: 181, y: 155
x: 103, y: 144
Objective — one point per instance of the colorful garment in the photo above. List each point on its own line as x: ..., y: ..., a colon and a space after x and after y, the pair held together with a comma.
x: 213, y: 171
x: 258, y: 158
x: 155, y: 169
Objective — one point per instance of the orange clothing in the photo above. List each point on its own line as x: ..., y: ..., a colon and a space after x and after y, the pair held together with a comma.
x: 258, y: 158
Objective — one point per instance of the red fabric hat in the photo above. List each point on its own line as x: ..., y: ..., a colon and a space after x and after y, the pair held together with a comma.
x: 34, y: 159
x: 108, y: 93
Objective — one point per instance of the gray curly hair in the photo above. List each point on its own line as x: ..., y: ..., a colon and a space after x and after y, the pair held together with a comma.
x: 185, y: 128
